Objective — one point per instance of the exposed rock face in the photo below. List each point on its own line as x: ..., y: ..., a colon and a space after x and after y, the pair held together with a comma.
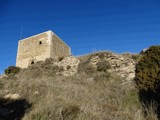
x: 70, y: 65
x: 12, y: 96
x: 144, y: 50
x: 121, y: 65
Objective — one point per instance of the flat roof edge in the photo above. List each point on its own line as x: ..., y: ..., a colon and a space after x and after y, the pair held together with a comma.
x: 49, y: 31
x: 36, y: 35
x: 61, y: 40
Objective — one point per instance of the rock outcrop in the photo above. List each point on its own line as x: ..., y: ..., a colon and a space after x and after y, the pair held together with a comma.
x: 12, y: 96
x: 121, y: 65
x: 69, y: 64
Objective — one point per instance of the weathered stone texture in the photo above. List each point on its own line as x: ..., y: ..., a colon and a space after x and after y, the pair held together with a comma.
x: 40, y: 47
x: 59, y: 48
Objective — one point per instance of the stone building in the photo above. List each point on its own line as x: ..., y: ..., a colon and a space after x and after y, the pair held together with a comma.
x: 39, y: 47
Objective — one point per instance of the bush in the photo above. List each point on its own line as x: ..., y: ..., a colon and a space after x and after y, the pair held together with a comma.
x: 103, y: 66
x: 11, y: 70
x: 60, y: 58
x: 148, y: 70
x: 148, y: 79
x: 85, y: 66
x: 68, y: 67
x: 39, y: 69
x: 136, y: 57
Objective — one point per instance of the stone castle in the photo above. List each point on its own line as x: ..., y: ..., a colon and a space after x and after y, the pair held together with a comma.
x: 39, y: 47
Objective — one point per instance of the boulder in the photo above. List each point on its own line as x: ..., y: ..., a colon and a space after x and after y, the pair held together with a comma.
x: 12, y: 96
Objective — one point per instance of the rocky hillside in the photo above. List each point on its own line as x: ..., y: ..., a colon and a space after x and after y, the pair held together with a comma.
x: 120, y: 64
x: 123, y: 65
x: 97, y: 86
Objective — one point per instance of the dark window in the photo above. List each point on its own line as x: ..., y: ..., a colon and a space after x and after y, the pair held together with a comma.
x: 32, y: 62
x: 40, y: 42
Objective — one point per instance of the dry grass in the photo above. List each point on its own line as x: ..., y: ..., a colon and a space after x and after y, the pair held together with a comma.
x: 135, y: 57
x: 94, y: 96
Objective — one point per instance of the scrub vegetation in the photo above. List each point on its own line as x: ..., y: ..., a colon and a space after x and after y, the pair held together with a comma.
x: 91, y: 94
x: 148, y: 79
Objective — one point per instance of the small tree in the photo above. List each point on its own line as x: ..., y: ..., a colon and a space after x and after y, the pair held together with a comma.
x: 148, y: 79
x: 148, y: 70
x: 11, y: 70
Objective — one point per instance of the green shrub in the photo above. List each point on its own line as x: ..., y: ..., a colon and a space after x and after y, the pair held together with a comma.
x: 11, y: 70
x: 103, y: 66
x: 60, y: 58
x: 136, y: 57
x: 68, y: 67
x: 85, y: 66
x: 49, y: 61
x: 39, y: 69
x: 148, y: 70
x: 148, y: 80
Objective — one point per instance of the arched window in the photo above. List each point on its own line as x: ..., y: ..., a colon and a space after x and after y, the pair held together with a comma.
x: 40, y: 42
x: 32, y: 62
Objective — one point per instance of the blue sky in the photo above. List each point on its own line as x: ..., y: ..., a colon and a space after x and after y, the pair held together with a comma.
x: 85, y: 25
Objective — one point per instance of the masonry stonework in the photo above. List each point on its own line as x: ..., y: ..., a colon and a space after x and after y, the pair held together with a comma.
x: 39, y: 47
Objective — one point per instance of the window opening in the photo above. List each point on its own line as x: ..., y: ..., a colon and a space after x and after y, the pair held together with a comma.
x: 40, y: 42
x: 32, y: 62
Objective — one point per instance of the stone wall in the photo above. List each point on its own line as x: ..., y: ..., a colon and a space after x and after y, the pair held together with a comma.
x: 40, y: 47
x: 59, y: 48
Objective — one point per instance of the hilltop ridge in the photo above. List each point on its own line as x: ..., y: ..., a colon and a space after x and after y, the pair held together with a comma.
x: 94, y: 86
